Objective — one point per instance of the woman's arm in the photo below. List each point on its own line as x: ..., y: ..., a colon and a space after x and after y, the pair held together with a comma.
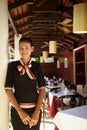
x: 23, y: 115
x: 13, y: 100
x: 40, y: 99
x: 35, y: 116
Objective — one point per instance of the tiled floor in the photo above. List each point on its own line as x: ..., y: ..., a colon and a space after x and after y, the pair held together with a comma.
x: 47, y: 126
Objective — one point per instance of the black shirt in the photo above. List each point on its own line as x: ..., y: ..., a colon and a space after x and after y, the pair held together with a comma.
x: 25, y: 89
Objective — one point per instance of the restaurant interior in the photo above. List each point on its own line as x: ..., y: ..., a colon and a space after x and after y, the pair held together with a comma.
x: 50, y: 24
x: 58, y: 29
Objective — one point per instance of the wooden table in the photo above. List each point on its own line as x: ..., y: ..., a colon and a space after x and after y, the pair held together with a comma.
x: 53, y: 102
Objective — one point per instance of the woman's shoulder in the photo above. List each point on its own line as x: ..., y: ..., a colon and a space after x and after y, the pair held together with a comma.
x: 35, y: 64
x: 14, y: 63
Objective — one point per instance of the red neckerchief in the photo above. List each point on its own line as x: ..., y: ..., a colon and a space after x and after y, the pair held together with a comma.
x: 26, y: 68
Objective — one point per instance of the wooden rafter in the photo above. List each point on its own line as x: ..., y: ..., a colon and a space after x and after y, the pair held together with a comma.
x: 12, y: 23
x: 20, y: 3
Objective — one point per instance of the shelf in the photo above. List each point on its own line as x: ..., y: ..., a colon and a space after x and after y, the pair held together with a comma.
x: 80, y: 61
x: 80, y: 74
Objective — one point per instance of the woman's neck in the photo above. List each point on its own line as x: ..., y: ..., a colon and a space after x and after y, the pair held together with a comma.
x: 25, y: 61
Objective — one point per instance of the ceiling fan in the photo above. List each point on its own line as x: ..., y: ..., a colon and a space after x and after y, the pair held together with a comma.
x: 46, y: 44
x: 65, y: 25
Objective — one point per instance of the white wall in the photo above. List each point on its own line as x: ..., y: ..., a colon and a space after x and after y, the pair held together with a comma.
x: 3, y: 63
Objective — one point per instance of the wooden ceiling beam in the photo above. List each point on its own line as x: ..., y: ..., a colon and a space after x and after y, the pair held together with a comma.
x: 43, y: 24
x: 45, y: 20
x: 41, y: 36
x: 12, y: 44
x: 11, y: 41
x: 51, y: 8
x: 27, y: 14
x: 39, y: 39
x: 46, y: 11
x: 11, y: 38
x: 48, y: 18
x: 24, y: 33
x: 72, y: 37
x: 39, y: 43
x: 38, y: 34
x: 43, y: 27
x: 25, y: 30
x: 19, y: 3
x: 60, y: 49
x: 22, y: 26
x: 63, y: 47
x: 44, y: 39
x: 11, y: 33
x: 51, y: 37
x: 68, y: 41
x: 41, y: 32
x: 65, y: 43
x: 12, y: 23
x: 47, y: 30
x: 73, y: 1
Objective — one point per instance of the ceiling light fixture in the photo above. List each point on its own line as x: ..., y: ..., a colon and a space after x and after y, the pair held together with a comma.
x: 45, y: 55
x: 80, y: 18
x: 41, y: 59
x: 53, y: 47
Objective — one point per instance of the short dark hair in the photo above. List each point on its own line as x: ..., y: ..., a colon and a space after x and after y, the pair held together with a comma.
x: 26, y: 39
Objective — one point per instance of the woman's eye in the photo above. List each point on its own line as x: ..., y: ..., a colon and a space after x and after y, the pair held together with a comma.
x: 26, y: 48
x: 21, y: 48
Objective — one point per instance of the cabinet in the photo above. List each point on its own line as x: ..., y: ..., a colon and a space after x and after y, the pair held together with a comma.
x: 80, y: 64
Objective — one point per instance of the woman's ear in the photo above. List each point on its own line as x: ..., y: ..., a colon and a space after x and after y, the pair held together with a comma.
x: 32, y: 48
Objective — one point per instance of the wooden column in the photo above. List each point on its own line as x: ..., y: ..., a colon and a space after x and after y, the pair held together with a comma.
x: 17, y: 38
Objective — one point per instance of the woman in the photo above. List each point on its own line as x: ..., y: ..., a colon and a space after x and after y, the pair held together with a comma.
x: 25, y: 88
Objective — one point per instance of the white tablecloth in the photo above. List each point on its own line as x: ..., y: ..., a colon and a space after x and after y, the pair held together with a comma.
x: 72, y: 119
x: 61, y: 93
x: 49, y: 87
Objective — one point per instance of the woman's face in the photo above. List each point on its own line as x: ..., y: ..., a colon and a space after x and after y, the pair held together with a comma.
x: 25, y: 50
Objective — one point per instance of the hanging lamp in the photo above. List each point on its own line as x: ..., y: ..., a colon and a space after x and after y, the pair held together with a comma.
x: 53, y: 47
x: 80, y: 18
x: 45, y: 54
x: 41, y: 59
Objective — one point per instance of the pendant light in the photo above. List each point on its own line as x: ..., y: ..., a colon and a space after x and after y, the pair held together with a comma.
x: 45, y: 54
x: 41, y: 59
x: 65, y: 62
x: 80, y: 18
x: 52, y: 47
x: 58, y: 64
